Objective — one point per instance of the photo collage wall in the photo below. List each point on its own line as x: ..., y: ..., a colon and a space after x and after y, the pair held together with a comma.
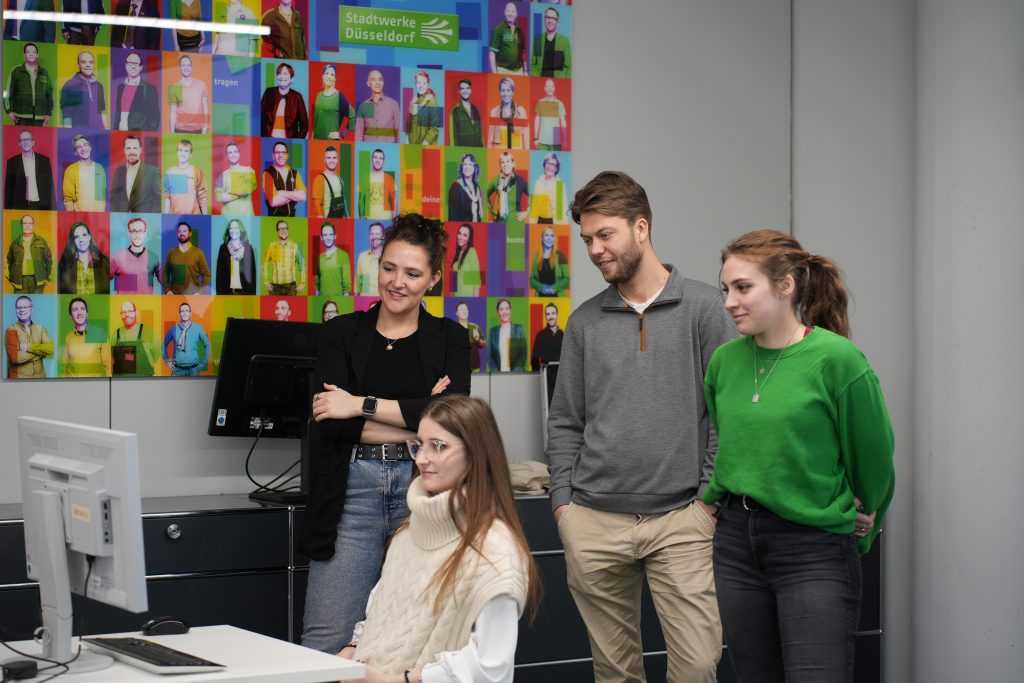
x: 159, y: 181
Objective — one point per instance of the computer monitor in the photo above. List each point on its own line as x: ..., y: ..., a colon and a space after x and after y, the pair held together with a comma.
x: 263, y: 387
x: 83, y: 526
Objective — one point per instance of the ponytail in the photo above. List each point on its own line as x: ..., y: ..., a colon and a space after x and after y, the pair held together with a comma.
x: 823, y: 298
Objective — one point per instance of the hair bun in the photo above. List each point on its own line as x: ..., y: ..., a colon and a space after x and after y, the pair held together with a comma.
x: 421, y: 231
x: 435, y: 227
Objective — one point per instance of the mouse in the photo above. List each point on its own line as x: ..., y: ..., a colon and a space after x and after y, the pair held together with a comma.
x: 165, y: 626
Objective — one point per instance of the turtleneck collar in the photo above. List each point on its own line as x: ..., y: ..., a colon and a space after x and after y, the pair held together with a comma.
x: 430, y: 523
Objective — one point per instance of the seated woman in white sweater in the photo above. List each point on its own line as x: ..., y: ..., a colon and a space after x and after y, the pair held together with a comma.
x: 458, y: 573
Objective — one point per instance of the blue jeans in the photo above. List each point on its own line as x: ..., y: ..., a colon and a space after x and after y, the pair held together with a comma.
x: 789, y: 597
x: 338, y: 588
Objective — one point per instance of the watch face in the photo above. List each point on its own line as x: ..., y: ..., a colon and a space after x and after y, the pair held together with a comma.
x: 369, y: 405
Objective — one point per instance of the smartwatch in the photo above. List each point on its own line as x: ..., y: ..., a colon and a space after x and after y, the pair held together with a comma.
x: 369, y: 406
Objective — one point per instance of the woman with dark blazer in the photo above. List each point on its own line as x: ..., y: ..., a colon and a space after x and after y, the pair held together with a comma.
x: 236, y: 262
x: 377, y: 372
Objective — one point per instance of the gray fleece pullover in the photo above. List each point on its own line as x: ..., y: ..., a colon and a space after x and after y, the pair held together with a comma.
x: 628, y: 429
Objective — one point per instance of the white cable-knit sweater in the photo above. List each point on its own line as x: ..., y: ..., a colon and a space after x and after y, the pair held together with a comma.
x: 401, y: 631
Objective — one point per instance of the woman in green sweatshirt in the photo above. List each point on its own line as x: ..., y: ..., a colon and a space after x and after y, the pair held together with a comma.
x: 804, y: 468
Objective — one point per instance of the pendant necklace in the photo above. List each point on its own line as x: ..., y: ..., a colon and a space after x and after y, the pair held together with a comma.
x: 391, y: 342
x: 403, y: 333
x: 757, y: 361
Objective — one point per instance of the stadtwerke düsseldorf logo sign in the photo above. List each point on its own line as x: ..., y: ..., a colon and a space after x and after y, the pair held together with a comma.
x: 399, y: 28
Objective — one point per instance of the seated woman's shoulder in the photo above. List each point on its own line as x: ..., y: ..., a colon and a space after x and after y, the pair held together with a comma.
x: 503, y: 559
x: 499, y: 534
x: 500, y: 542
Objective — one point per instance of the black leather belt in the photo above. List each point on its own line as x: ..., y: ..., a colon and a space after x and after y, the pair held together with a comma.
x: 743, y: 502
x: 388, y: 452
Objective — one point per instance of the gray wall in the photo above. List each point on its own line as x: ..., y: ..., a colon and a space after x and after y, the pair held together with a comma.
x: 967, y: 552
x: 908, y: 159
x: 853, y: 199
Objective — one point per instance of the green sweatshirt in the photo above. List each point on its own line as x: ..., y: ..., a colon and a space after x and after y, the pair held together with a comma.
x: 818, y: 435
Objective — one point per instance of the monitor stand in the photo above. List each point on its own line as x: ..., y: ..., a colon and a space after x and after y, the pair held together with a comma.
x: 310, y: 435
x: 55, y: 642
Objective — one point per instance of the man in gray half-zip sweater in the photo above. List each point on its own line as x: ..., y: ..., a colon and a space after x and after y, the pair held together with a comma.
x: 631, y: 446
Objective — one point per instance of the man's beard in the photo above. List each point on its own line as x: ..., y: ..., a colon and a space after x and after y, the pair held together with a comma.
x: 628, y: 262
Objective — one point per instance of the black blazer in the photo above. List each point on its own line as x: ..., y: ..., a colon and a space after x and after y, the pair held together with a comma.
x: 15, y: 183
x: 344, y: 351
x: 144, y: 113
x: 145, y: 196
x: 142, y: 38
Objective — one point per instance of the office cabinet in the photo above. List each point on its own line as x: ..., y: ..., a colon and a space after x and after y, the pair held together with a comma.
x: 209, y: 559
x: 226, y: 560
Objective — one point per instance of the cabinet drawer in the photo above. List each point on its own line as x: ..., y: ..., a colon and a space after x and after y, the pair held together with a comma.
x: 19, y: 614
x: 255, y: 602
x: 216, y: 542
x: 12, y: 554
x: 558, y: 632
x: 205, y: 543
x: 538, y: 523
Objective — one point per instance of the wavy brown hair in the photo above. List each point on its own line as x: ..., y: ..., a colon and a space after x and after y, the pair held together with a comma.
x: 615, y: 194
x: 820, y: 296
x: 420, y: 232
x: 484, y: 493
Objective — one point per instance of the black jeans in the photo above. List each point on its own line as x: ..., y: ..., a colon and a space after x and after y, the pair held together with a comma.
x: 789, y: 597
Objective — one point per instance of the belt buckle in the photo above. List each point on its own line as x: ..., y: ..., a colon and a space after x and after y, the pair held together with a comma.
x: 746, y: 507
x: 384, y: 453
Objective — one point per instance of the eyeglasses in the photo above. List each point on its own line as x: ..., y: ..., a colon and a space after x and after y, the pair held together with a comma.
x: 433, y: 449
x: 132, y: 231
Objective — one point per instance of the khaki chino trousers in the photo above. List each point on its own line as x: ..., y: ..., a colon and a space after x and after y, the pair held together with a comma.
x: 607, y: 554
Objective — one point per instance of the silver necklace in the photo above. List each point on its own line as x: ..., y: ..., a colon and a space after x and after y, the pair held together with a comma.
x: 757, y: 361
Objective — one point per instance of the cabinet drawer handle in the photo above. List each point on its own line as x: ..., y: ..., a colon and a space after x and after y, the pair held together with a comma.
x: 173, y: 532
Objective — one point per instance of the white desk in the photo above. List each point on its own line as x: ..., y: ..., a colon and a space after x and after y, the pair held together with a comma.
x: 249, y: 658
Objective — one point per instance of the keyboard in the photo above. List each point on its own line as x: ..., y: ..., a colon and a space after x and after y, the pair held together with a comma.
x: 154, y: 657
